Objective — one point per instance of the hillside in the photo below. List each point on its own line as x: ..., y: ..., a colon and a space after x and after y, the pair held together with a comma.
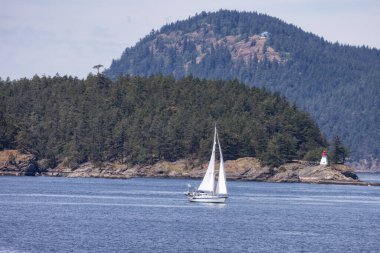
x: 145, y: 120
x: 337, y: 84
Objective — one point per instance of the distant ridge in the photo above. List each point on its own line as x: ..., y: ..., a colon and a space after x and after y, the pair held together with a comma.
x: 338, y: 84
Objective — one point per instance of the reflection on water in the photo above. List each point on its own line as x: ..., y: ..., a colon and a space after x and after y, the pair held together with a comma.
x: 210, y: 205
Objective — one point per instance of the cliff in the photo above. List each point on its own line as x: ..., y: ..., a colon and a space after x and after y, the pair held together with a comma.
x: 14, y: 163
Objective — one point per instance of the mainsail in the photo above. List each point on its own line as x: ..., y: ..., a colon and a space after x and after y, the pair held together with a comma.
x: 208, y: 182
x: 206, y: 192
x: 221, y: 188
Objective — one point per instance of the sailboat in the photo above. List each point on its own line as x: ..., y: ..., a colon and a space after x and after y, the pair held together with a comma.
x: 207, y: 192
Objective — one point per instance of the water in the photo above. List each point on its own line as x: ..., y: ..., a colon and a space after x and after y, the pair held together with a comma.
x: 42, y: 214
x: 369, y: 177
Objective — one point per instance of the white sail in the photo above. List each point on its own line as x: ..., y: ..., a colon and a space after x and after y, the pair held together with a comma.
x: 205, y: 192
x: 208, y: 182
x: 221, y: 188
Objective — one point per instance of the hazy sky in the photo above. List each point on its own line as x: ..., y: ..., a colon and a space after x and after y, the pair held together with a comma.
x: 71, y: 36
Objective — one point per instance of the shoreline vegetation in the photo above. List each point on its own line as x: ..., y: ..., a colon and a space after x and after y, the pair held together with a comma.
x: 148, y: 120
x: 140, y: 120
x: 14, y: 163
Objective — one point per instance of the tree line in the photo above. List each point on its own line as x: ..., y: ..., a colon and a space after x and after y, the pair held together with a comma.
x: 142, y: 120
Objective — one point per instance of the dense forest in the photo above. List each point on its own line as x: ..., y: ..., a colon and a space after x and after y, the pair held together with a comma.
x: 339, y: 85
x: 143, y: 120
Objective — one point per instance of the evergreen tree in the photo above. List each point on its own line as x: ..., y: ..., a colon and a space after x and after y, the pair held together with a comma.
x: 340, y: 152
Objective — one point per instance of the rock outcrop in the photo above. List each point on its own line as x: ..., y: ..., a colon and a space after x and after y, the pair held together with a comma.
x: 303, y: 172
x: 247, y: 168
x: 14, y: 163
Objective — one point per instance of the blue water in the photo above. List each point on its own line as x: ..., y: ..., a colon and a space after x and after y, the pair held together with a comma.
x: 369, y: 177
x: 42, y: 214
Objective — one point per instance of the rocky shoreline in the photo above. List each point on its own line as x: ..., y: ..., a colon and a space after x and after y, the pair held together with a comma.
x: 14, y: 163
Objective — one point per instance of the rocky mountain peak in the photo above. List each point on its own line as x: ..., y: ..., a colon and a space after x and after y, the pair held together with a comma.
x: 205, y: 41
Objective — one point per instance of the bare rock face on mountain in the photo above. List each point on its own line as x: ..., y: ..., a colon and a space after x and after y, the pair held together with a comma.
x: 14, y: 163
x: 205, y: 41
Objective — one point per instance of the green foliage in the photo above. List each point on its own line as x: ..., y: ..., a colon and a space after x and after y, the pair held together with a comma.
x: 339, y: 152
x: 281, y: 148
x: 314, y: 155
x: 337, y: 84
x: 143, y: 120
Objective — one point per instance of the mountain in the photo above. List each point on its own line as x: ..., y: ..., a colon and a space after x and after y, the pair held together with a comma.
x: 139, y: 120
x: 339, y: 85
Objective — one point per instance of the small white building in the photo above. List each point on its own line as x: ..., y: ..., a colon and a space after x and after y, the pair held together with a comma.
x: 264, y: 35
x: 324, y: 158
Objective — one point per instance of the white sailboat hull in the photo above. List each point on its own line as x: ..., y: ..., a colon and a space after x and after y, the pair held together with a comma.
x: 207, y: 199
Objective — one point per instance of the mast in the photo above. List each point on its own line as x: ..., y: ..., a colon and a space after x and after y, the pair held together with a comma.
x: 221, y: 188
x: 208, y: 182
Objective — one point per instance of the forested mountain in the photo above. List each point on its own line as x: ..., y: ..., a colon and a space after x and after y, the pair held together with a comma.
x: 143, y: 120
x: 338, y: 85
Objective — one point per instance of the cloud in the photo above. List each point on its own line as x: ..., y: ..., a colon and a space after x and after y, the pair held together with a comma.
x: 71, y: 36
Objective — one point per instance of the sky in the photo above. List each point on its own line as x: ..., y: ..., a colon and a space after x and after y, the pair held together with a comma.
x: 69, y: 37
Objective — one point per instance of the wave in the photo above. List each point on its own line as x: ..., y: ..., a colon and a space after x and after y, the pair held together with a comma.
x: 112, y: 204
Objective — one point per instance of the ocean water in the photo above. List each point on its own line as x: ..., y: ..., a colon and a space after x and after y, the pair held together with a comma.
x: 369, y: 177
x: 44, y: 214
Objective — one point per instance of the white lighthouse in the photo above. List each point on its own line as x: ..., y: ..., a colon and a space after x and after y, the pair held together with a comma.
x: 324, y: 158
